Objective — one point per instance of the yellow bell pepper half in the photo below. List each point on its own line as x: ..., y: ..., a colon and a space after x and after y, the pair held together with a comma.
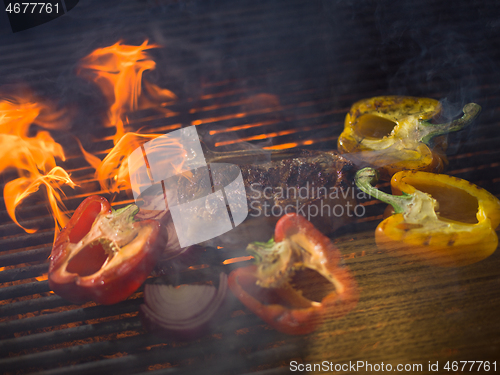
x: 392, y: 133
x: 440, y: 219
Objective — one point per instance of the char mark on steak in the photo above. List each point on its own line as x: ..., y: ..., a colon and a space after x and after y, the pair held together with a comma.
x: 316, y: 184
x: 309, y: 178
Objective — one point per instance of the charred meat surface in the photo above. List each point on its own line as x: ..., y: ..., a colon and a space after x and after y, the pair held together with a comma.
x: 315, y: 184
x: 312, y: 179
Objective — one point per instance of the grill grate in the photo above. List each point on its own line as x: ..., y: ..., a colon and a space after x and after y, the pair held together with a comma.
x: 279, y: 74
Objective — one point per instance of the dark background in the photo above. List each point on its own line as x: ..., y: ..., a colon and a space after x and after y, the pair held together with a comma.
x: 414, y: 48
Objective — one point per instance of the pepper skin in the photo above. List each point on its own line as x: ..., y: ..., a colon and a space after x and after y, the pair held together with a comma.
x: 265, y: 289
x: 440, y: 219
x: 391, y: 134
x: 102, y: 254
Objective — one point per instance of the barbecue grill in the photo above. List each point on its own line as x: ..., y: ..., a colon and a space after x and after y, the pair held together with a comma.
x: 273, y: 74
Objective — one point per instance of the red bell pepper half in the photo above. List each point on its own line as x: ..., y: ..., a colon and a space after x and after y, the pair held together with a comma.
x: 102, y: 254
x: 265, y: 288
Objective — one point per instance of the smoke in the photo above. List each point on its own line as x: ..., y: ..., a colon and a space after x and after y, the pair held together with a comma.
x: 445, y: 52
x: 435, y: 49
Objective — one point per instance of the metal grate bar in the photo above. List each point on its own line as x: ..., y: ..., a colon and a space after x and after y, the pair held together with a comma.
x: 36, y: 304
x: 63, y: 317
x: 67, y: 334
x: 22, y: 290
x: 24, y: 272
x: 25, y: 256
x: 132, y: 362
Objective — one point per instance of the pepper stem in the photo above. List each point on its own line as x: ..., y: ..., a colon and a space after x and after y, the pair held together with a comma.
x: 127, y: 213
x: 259, y: 249
x: 367, y: 176
x: 429, y: 131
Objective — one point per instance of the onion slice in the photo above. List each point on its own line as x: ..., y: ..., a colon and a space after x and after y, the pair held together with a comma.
x: 183, y: 312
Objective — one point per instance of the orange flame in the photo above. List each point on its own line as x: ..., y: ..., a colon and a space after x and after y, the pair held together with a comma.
x: 118, y: 71
x: 112, y: 172
x: 33, y: 157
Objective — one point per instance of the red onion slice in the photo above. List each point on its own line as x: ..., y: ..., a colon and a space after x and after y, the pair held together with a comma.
x: 184, y: 312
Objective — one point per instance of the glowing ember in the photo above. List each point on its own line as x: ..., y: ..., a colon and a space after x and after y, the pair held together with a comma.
x: 42, y: 277
x: 242, y: 127
x: 307, y: 142
x: 118, y: 71
x: 33, y: 157
x: 238, y: 259
x: 256, y: 137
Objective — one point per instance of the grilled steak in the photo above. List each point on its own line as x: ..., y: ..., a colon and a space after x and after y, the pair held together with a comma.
x: 316, y: 184
x: 300, y: 183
